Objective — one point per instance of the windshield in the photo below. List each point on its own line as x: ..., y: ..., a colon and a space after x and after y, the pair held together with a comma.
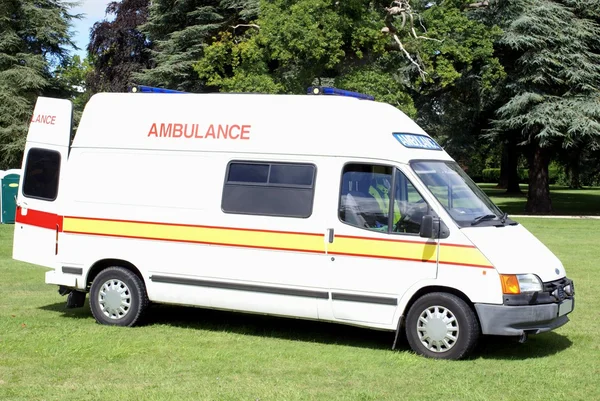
x: 461, y: 197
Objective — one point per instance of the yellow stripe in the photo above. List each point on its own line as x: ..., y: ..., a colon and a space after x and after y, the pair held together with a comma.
x: 462, y: 255
x: 278, y: 240
x: 225, y: 236
x: 386, y: 249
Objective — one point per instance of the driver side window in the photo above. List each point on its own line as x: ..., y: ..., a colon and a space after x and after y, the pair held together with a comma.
x: 411, y: 206
x: 380, y: 198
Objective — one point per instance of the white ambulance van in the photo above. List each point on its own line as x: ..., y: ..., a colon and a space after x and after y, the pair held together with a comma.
x: 323, y: 207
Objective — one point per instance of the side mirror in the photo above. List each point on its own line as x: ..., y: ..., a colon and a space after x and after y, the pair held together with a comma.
x: 426, y: 230
x: 433, y: 227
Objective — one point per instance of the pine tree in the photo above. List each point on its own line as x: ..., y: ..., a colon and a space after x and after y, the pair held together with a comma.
x: 34, y: 39
x: 178, y: 31
x: 554, y: 84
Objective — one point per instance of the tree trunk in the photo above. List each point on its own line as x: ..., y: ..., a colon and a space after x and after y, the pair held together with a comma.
x: 503, y: 182
x: 538, y: 198
x: 509, y: 168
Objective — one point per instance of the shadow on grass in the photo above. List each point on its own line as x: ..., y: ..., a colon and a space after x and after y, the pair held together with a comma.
x: 269, y: 326
x: 61, y: 307
x: 537, y: 346
x: 490, y: 347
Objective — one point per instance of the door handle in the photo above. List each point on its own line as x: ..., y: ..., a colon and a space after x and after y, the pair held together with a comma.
x: 23, y: 206
x: 329, y: 236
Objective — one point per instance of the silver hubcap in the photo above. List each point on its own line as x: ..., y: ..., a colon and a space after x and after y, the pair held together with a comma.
x: 114, y: 299
x: 438, y: 329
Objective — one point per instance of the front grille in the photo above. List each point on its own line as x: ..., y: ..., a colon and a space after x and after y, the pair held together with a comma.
x: 556, y: 288
x: 552, y: 292
x: 553, y: 285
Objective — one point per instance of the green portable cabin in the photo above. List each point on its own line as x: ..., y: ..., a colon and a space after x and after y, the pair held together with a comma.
x: 8, y: 199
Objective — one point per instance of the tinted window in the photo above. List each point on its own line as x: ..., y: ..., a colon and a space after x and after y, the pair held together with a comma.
x: 291, y: 174
x: 271, y: 189
x: 256, y: 173
x: 41, y: 174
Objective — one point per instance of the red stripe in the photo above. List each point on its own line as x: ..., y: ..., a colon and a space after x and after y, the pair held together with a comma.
x: 198, y: 242
x: 402, y: 240
x: 39, y: 219
x: 467, y: 265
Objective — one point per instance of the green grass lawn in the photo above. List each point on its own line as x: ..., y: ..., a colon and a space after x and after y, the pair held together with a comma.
x: 49, y: 353
x: 565, y: 201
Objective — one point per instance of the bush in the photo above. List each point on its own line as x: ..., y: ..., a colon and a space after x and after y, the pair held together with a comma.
x: 493, y: 175
x: 490, y: 174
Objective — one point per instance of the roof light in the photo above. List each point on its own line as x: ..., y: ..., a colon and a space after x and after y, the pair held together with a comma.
x: 150, y: 89
x: 327, y: 90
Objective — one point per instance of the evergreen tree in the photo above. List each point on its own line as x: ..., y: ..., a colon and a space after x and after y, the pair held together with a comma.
x: 178, y: 31
x: 34, y: 39
x: 117, y: 48
x: 554, y: 84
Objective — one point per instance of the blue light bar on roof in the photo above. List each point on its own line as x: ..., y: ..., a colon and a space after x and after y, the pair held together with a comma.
x: 151, y: 89
x: 327, y: 90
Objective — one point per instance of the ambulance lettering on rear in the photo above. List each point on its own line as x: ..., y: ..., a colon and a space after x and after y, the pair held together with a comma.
x: 195, y: 131
x: 44, y: 119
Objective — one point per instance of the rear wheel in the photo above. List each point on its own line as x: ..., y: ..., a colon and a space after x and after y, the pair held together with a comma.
x: 441, y: 325
x: 118, y: 297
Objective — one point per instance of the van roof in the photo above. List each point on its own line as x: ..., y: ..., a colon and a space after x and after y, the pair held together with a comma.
x: 249, y: 123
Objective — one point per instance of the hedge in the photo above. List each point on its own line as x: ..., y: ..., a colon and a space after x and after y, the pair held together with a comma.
x: 493, y: 175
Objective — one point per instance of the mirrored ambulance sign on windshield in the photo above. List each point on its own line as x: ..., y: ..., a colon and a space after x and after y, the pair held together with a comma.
x: 416, y: 141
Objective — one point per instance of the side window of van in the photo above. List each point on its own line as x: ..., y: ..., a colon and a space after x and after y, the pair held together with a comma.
x: 270, y: 189
x: 41, y: 174
x: 380, y: 198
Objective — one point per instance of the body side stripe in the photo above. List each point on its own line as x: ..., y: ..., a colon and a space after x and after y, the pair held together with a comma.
x: 450, y: 254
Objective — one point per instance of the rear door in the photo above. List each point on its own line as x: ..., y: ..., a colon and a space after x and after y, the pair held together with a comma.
x: 37, y: 222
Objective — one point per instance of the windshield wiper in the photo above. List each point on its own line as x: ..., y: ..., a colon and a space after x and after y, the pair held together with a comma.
x: 485, y: 217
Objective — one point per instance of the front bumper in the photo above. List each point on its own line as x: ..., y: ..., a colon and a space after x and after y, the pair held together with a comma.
x: 506, y: 320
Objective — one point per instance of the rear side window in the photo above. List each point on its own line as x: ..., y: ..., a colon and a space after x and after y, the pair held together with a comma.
x: 42, y: 171
x: 270, y: 189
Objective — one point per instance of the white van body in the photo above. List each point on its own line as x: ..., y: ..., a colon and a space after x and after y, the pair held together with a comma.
x: 144, y: 187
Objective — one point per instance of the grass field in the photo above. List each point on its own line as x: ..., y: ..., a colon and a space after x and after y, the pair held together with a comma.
x: 49, y: 353
x: 565, y: 201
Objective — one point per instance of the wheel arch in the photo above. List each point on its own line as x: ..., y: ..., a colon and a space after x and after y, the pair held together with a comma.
x: 102, y: 264
x: 427, y: 289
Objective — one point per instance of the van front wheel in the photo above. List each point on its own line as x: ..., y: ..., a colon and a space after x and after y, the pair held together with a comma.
x: 118, y: 297
x: 441, y: 325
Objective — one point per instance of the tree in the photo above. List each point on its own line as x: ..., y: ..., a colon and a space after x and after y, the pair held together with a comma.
x: 74, y: 74
x: 117, y: 48
x: 34, y: 39
x: 554, y: 84
x: 454, y: 82
x: 291, y: 45
x: 178, y: 32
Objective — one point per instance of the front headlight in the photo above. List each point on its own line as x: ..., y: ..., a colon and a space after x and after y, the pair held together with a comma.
x: 519, y: 283
x: 529, y: 283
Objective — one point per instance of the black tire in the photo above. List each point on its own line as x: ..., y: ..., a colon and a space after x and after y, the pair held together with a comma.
x: 124, y: 300
x: 453, y: 339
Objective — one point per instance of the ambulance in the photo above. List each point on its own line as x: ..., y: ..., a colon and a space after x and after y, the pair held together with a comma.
x: 327, y: 206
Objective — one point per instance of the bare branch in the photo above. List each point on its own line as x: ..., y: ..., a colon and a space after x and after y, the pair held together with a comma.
x: 412, y: 29
x: 403, y: 9
x: 246, y: 25
x: 422, y: 72
x: 479, y: 4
